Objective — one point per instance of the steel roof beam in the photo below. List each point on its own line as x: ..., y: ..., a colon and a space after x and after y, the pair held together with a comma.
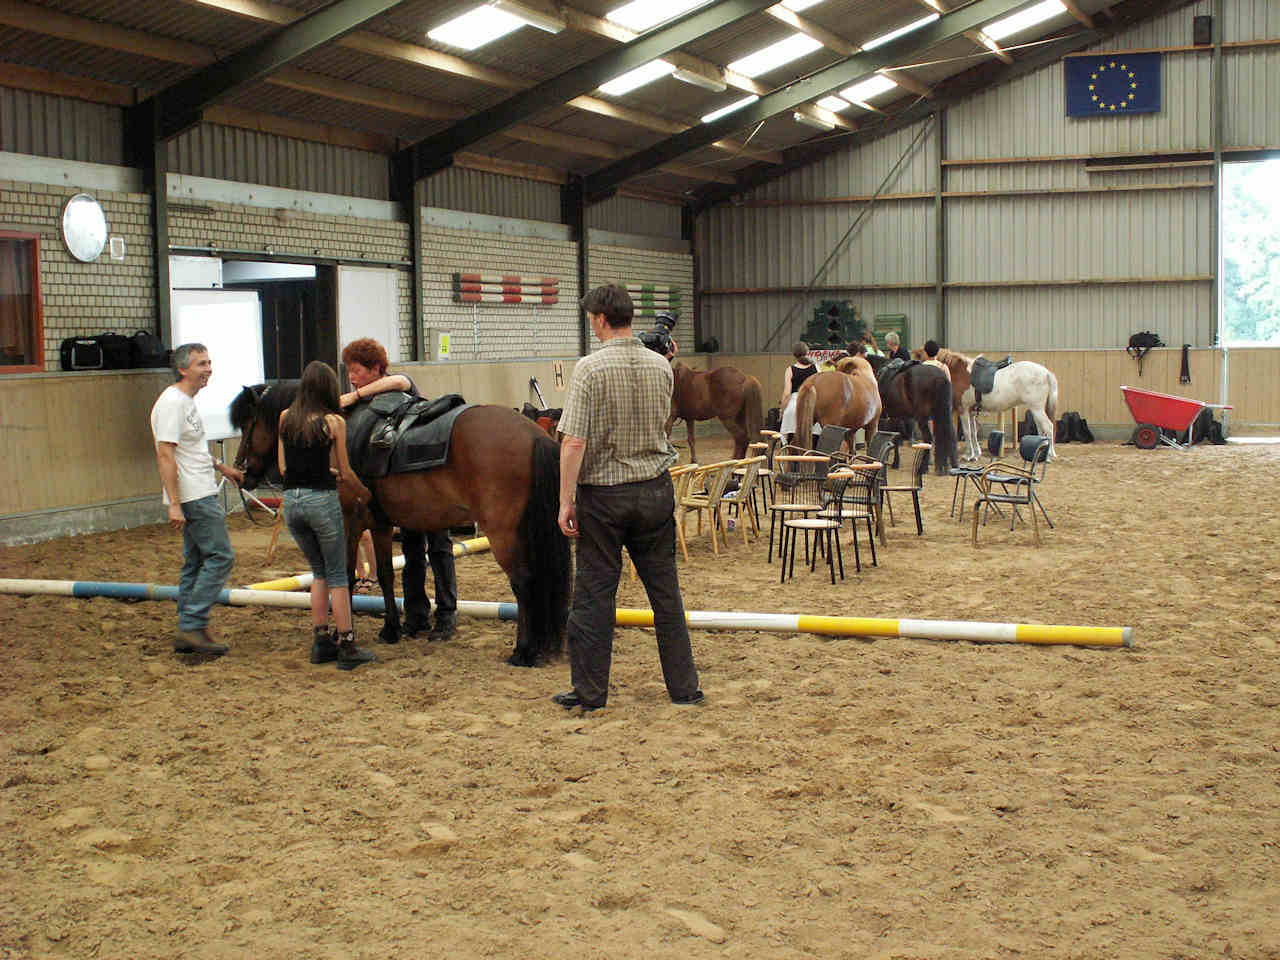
x: 1122, y: 17
x: 602, y: 183
x: 433, y: 153
x: 179, y: 105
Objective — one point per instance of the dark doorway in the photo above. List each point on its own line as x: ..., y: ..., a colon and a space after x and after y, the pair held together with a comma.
x: 299, y: 322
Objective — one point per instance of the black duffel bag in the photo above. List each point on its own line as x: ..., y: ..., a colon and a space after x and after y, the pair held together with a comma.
x: 148, y: 350
x: 80, y: 353
x: 117, y: 351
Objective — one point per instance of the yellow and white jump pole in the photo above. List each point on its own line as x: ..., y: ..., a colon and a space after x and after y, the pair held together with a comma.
x: 302, y: 581
x: 1044, y: 634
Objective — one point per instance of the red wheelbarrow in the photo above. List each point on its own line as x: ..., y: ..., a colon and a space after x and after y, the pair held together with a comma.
x: 1153, y: 410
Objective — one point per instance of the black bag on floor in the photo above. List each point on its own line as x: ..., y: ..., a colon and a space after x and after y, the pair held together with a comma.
x: 773, y: 419
x: 1028, y: 426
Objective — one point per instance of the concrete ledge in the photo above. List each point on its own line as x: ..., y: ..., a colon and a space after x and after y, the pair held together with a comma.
x: 75, y: 521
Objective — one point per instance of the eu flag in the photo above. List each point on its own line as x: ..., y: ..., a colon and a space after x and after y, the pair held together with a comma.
x: 1112, y: 85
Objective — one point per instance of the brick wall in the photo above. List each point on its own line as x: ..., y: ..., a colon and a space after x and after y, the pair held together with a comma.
x: 490, y: 331
x: 629, y: 265
x: 83, y: 299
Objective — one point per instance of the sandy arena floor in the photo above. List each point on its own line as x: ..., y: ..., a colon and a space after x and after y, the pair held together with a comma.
x: 833, y: 798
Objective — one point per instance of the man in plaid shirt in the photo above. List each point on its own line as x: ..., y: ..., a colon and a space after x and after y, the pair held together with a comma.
x: 616, y: 457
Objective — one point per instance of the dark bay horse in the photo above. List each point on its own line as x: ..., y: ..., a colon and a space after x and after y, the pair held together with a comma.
x: 922, y: 393
x: 845, y: 397
x: 503, y: 473
x: 726, y: 394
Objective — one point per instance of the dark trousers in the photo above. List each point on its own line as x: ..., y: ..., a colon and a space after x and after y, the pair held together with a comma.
x: 417, y: 549
x: 640, y: 517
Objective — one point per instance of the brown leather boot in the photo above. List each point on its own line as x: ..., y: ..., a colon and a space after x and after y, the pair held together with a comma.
x: 197, y: 641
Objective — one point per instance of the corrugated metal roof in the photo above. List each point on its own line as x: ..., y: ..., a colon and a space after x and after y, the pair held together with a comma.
x: 189, y: 22
x: 78, y: 59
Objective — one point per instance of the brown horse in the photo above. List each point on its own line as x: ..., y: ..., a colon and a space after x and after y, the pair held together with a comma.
x: 845, y: 397
x: 502, y: 473
x: 918, y: 394
x: 726, y: 394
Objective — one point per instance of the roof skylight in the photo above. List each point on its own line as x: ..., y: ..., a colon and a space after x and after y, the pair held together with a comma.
x: 834, y: 104
x: 797, y: 5
x: 903, y: 31
x: 640, y: 15
x: 633, y: 79
x: 871, y: 87
x: 775, y: 55
x: 476, y: 27
x: 725, y: 111
x: 1023, y: 19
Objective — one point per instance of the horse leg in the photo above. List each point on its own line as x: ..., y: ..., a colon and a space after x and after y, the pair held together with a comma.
x: 1046, y: 428
x: 739, y: 433
x: 971, y: 432
x: 693, y: 454
x: 502, y: 543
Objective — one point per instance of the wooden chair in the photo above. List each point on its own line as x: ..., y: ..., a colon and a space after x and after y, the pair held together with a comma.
x: 744, y: 497
x: 918, y: 470
x: 706, y: 488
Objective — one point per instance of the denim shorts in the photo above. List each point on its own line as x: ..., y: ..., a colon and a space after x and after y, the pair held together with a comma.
x: 315, y: 520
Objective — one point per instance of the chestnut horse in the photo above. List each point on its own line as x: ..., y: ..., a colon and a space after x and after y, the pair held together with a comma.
x: 918, y: 394
x: 726, y: 394
x: 844, y: 397
x: 1023, y: 383
x: 502, y: 472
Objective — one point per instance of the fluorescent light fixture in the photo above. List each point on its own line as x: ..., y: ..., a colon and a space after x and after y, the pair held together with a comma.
x: 476, y: 27
x: 902, y: 31
x: 871, y: 87
x: 534, y: 18
x: 700, y: 80
x: 725, y: 111
x: 834, y: 104
x: 640, y: 15
x: 632, y: 79
x: 814, y: 122
x: 775, y: 55
x: 797, y: 5
x: 1024, y: 19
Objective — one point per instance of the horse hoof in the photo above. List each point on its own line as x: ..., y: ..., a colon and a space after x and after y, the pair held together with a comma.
x: 521, y: 659
x: 389, y: 636
x: 414, y: 627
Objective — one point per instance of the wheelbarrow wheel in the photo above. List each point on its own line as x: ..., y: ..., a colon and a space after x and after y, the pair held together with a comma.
x: 1146, y: 437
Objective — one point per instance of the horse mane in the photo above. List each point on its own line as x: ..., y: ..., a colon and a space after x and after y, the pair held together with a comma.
x: 951, y: 358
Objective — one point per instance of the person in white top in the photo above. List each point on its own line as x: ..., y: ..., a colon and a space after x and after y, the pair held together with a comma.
x: 190, y: 490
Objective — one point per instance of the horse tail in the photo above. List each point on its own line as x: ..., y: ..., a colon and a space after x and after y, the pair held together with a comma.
x: 753, y: 408
x: 545, y: 553
x: 806, y: 401
x: 944, y: 431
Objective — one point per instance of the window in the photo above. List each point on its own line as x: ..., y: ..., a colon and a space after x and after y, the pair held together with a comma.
x: 21, y: 320
x: 1250, y: 254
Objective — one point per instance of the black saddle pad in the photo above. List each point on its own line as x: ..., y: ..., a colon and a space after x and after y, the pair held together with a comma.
x: 425, y: 444
x: 983, y: 373
x: 892, y: 369
x: 396, y: 432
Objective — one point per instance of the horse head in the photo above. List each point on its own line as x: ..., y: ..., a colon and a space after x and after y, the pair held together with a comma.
x: 255, y: 412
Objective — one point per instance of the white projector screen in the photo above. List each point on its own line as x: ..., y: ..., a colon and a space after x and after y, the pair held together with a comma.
x: 229, y: 323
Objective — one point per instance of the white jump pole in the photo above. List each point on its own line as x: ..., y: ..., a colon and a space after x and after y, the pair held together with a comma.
x: 1031, y: 633
x: 302, y: 581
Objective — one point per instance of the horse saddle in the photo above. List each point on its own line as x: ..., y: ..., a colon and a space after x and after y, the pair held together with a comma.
x: 983, y: 376
x: 892, y: 369
x: 399, y: 433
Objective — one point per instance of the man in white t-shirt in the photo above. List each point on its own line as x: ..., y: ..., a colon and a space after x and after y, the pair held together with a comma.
x: 190, y: 490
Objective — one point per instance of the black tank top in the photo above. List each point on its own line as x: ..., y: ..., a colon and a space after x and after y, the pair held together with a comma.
x: 799, y: 374
x: 309, y: 466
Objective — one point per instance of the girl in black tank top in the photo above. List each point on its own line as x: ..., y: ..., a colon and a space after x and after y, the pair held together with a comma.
x: 312, y: 456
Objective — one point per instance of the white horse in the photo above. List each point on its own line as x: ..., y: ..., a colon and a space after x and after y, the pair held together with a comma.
x: 1021, y: 384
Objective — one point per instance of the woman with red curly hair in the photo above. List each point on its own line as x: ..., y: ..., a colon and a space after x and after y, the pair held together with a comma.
x: 366, y: 363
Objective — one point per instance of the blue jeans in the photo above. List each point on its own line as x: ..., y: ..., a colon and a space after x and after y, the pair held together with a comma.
x: 206, y: 561
x: 315, y: 520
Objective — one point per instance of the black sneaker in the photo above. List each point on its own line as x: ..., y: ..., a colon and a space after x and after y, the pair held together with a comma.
x: 324, y: 648
x: 350, y: 656
x: 691, y: 700
x: 570, y: 699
